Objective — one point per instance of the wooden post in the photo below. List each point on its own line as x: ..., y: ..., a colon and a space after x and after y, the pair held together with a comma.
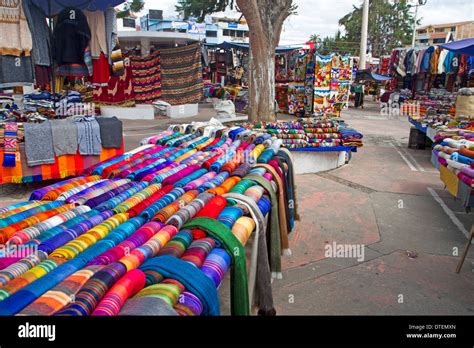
x: 464, y: 254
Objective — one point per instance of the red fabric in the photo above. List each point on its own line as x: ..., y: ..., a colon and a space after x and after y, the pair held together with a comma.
x: 211, y: 210
x: 134, y: 211
x: 119, y: 90
x: 101, y: 70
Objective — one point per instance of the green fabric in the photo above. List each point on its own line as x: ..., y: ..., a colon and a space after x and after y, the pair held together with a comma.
x: 239, y: 289
x: 275, y: 240
x: 283, y: 153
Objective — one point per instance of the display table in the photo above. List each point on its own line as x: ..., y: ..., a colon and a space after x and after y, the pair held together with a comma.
x: 320, y: 159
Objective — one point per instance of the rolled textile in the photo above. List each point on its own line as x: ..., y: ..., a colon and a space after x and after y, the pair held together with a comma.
x: 166, y: 199
x: 39, y: 193
x: 198, y: 251
x: 34, y: 231
x: 18, y: 207
x: 217, y: 230
x: 94, y: 290
x: 189, y: 178
x: 178, y: 244
x: 26, y: 212
x: 192, y: 278
x: 188, y: 305
x: 18, y: 268
x: 61, y: 238
x: 165, y: 213
x: 115, y: 201
x: 226, y: 186
x: 62, y: 294
x: 152, y: 169
x: 82, y: 242
x: 87, y: 190
x: 55, y: 192
x: 199, y: 181
x: 212, y: 209
x: 137, y: 198
x: 190, y: 210
x: 66, y: 194
x: 7, y: 232
x: 164, y: 291
x: 468, y: 171
x: 216, y: 265
x: 112, y: 184
x: 151, y: 247
x: 467, y: 153
x: 456, y: 156
x: 146, y: 306
x: 180, y: 174
x: 95, y: 201
x: 216, y: 181
x: 146, y: 202
x: 229, y: 215
x: 243, y: 228
x: 126, y: 287
x: 242, y: 170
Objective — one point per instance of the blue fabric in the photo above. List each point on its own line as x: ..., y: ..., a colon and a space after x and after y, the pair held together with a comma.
x: 425, y: 62
x: 191, y: 277
x: 461, y: 159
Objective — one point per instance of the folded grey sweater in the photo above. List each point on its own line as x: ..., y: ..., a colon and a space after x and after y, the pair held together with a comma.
x: 39, y: 143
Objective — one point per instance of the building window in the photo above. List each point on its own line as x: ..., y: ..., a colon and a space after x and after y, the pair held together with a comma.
x: 424, y: 41
x: 128, y: 22
x: 439, y: 30
x: 441, y: 40
x: 226, y: 32
x: 453, y: 29
x: 211, y: 33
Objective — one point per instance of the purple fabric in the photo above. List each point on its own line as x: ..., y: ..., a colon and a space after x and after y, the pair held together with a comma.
x: 468, y: 171
x: 93, y: 202
x: 39, y: 193
x: 154, y: 169
x: 74, y: 197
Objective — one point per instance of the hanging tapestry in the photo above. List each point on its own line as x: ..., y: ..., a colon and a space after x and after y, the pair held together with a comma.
x: 146, y: 79
x: 322, y: 84
x: 119, y: 90
x: 181, y: 74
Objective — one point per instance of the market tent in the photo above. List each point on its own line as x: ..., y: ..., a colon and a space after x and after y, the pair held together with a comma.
x: 465, y: 46
x: 53, y: 7
x: 371, y: 76
x: 228, y: 45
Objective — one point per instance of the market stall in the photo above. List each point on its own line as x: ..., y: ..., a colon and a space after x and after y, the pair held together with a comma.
x: 154, y: 231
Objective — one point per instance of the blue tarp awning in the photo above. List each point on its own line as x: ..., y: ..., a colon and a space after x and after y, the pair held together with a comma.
x: 465, y: 46
x: 371, y: 76
x: 53, y: 7
x: 228, y: 45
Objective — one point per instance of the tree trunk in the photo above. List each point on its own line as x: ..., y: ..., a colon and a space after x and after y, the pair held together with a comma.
x: 265, y: 20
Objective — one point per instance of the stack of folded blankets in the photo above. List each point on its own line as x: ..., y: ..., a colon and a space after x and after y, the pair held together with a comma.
x: 311, y: 133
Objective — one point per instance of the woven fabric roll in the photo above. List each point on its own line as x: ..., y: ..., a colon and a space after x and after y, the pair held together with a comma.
x: 65, y: 195
x: 242, y: 170
x: 226, y: 186
x: 8, y: 231
x: 115, y: 201
x: 255, y: 192
x: 25, y: 213
x: 62, y: 294
x: 187, y: 179
x: 199, y: 181
x: 136, y: 239
x: 28, y: 277
x: 178, y: 244
x: 243, y: 228
x: 180, y: 174
x: 69, y: 234
x: 164, y: 291
x: 158, y: 178
x: 54, y: 193
x: 184, y: 156
x: 138, y: 176
x: 136, y: 198
x: 147, y: 306
x: 34, y: 231
x: 257, y: 151
x: 39, y: 193
x: 146, y: 164
x: 95, y: 201
x: 18, y: 208
x: 216, y: 265
x: 85, y: 240
x: 137, y: 209
x: 97, y: 191
x: 18, y: 268
x: 165, y: 213
x: 168, y: 198
x: 188, y: 305
x: 208, y: 163
x: 242, y: 186
x: 198, y: 251
x: 126, y: 287
x: 229, y: 215
x: 264, y: 205
x: 216, y: 181
x: 189, y: 211
x: 211, y: 210
x: 266, y: 155
x: 60, y: 228
x: 191, y: 277
x: 151, y: 248
x: 94, y: 290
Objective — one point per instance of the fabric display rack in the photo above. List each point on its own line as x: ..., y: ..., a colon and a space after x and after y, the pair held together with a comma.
x: 317, y: 144
x: 154, y: 231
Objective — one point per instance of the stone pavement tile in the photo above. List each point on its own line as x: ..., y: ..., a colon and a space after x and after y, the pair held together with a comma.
x: 428, y: 285
x: 329, y: 212
x: 421, y: 225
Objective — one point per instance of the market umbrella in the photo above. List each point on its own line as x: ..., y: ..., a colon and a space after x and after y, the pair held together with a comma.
x: 53, y: 7
x: 465, y: 46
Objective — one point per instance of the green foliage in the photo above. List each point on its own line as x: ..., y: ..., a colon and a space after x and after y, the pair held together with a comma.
x: 390, y: 25
x: 131, y: 6
x: 200, y: 8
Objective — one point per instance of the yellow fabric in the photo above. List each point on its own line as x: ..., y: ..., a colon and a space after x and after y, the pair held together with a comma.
x: 449, y: 179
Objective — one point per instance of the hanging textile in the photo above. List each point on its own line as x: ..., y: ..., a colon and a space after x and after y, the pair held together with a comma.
x: 146, y: 72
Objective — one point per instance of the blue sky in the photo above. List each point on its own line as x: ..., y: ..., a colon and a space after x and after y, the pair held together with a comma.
x: 321, y: 16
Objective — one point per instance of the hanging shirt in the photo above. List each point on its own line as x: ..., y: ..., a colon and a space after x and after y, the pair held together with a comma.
x: 442, y: 57
x: 98, y: 44
x: 448, y: 62
x: 425, y: 63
